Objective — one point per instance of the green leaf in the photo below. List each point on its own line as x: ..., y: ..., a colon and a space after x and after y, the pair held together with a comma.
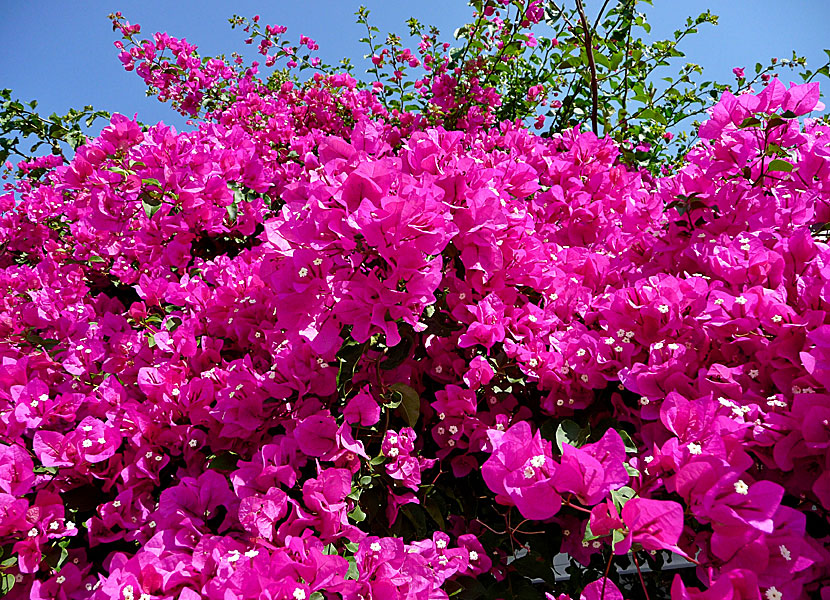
x: 352, y: 573
x: 233, y: 211
x: 629, y: 444
x: 411, y: 402
x: 224, y: 462
x: 621, y: 496
x: 151, y: 205
x: 631, y: 470
x: 780, y: 165
x: 568, y: 432
x: 357, y: 515
x: 433, y: 511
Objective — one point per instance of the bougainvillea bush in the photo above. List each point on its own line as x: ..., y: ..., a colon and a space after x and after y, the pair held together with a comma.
x: 318, y: 348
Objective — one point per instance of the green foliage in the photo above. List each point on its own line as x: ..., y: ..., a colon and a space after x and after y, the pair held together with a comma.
x: 23, y: 131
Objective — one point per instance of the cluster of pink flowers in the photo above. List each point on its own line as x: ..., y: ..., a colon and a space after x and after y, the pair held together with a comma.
x: 232, y: 358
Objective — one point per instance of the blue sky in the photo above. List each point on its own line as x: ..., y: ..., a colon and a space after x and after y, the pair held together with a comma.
x: 60, y: 51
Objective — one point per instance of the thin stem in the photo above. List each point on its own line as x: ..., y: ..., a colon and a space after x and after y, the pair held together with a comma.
x: 605, y: 576
x: 640, y: 574
x: 589, y: 50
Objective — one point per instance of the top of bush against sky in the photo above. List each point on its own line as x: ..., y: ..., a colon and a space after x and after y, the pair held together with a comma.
x: 411, y: 334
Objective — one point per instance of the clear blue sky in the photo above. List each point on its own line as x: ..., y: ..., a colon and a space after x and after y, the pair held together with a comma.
x: 60, y: 51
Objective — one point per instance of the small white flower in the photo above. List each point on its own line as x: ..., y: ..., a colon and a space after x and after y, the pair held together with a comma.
x: 441, y: 431
x: 251, y: 553
x: 609, y: 341
x: 785, y: 552
x: 54, y: 525
x: 70, y: 524
x: 317, y: 262
x: 528, y: 472
x: 299, y: 594
x: 538, y: 460
x: 618, y: 349
x: 192, y: 443
x: 753, y: 373
x: 473, y: 555
x: 580, y: 352
x: 158, y: 458
x: 719, y: 301
x: 148, y: 454
x: 440, y: 544
x: 392, y: 439
x: 741, y: 487
x: 674, y: 346
x: 694, y: 448
x: 393, y: 452
x: 663, y: 308
x: 374, y: 547
x: 773, y: 594
x: 86, y: 443
x: 453, y: 429
x: 451, y: 443
x: 584, y: 378
x: 102, y: 440
x: 532, y: 318
x: 302, y: 273
x: 740, y: 300
x: 657, y: 345
x: 777, y: 318
x: 648, y: 459
x: 60, y: 579
x: 596, y: 544
x: 533, y: 363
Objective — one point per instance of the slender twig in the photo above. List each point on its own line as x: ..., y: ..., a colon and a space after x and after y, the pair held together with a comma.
x: 589, y: 50
x: 640, y: 574
x: 599, y: 14
x: 605, y: 576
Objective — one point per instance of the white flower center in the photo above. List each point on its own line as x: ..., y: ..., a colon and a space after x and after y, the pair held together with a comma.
x: 773, y: 594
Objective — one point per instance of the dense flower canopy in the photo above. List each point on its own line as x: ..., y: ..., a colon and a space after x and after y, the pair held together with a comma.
x: 313, y: 349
